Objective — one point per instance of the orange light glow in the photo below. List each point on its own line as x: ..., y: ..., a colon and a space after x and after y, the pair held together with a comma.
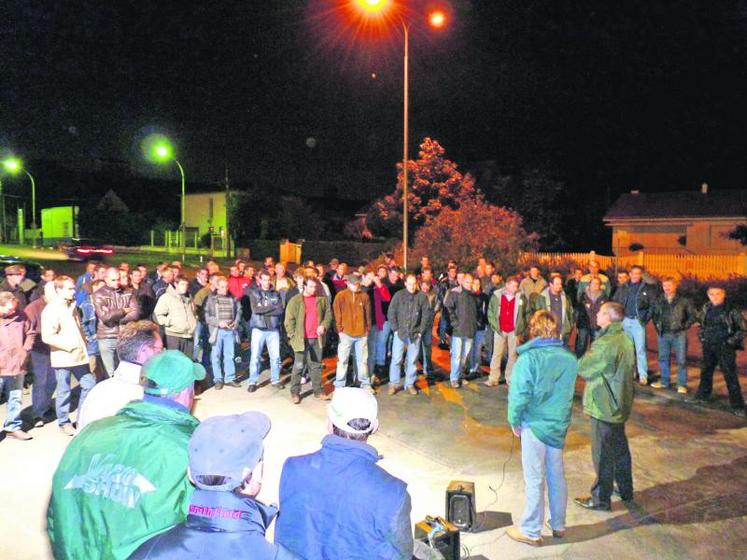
x: 437, y: 19
x: 372, y: 6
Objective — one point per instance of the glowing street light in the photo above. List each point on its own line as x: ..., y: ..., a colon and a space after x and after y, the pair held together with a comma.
x: 437, y: 20
x: 14, y: 166
x: 158, y: 149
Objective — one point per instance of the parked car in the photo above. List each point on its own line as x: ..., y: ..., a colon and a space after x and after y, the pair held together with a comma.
x: 85, y: 249
x: 33, y: 269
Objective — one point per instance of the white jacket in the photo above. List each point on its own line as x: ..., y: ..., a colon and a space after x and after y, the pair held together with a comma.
x: 61, y: 330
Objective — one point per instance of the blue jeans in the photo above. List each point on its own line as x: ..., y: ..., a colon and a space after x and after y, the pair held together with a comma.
x: 223, y: 349
x: 426, y: 345
x: 381, y: 343
x: 678, y: 343
x: 44, y: 383
x: 460, y: 350
x: 475, y: 357
x: 542, y: 463
x: 360, y: 345
x: 372, y: 334
x: 108, y: 352
x: 398, y: 350
x: 13, y: 385
x: 271, y: 339
x: 443, y: 325
x: 85, y: 379
x: 637, y: 332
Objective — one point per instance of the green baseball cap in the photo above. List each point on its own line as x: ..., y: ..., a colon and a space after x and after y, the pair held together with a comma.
x: 171, y: 372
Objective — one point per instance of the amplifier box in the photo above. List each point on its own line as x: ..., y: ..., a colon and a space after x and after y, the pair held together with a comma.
x: 440, y: 535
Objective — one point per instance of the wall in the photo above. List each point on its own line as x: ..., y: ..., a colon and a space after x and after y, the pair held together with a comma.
x: 352, y: 252
x: 701, y: 236
x: 197, y: 211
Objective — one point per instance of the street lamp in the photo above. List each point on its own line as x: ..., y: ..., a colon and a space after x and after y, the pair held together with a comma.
x: 159, y: 149
x: 437, y: 20
x: 14, y: 166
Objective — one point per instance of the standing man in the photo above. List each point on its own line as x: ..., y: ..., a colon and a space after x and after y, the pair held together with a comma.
x: 146, y: 299
x: 381, y: 328
x: 408, y: 313
x: 604, y: 281
x: 609, y: 370
x: 461, y: 304
x: 672, y: 315
x: 722, y: 332
x: 540, y: 399
x: 62, y: 331
x: 307, y: 320
x: 554, y: 299
x: 366, y: 512
x: 352, y: 312
x: 588, y: 308
x: 636, y: 296
x: 175, y: 312
x: 114, y: 307
x: 534, y: 284
x: 264, y: 325
x: 426, y: 341
x: 222, y: 315
x: 445, y: 285
x: 44, y: 380
x: 507, y: 316
x: 14, y: 276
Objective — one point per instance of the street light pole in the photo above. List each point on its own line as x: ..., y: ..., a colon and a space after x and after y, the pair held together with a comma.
x: 405, y: 216
x: 184, y: 211
x: 33, y: 205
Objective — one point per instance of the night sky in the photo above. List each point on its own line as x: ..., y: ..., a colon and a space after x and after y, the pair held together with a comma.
x: 602, y: 95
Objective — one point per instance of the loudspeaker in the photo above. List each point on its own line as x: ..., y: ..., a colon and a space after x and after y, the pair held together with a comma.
x: 460, y: 504
x: 439, y: 535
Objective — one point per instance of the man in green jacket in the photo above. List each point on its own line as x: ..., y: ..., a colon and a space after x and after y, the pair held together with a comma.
x: 508, y: 314
x: 540, y: 398
x: 307, y: 320
x: 609, y: 370
x: 124, y: 479
x: 554, y: 299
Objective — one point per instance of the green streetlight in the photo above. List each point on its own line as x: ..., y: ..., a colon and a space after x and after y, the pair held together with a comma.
x: 158, y: 149
x: 14, y: 166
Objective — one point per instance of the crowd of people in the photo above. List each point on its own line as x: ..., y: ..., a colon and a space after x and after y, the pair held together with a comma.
x: 139, y: 454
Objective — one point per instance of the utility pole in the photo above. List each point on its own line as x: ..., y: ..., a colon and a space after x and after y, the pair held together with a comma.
x: 2, y: 213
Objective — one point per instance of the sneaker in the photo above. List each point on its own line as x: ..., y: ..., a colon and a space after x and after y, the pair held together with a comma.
x: 323, y: 397
x: 455, y: 385
x: 412, y: 390
x: 489, y: 383
x: 518, y: 536
x: 38, y: 422
x: 659, y: 385
x: 375, y: 380
x: 642, y: 381
x: 587, y: 502
x: 682, y: 390
x: 68, y: 430
x: 278, y: 386
x: 296, y: 399
x: 19, y: 434
x: 559, y: 534
x: 393, y: 389
x: 252, y: 387
x: 234, y: 384
x: 218, y: 385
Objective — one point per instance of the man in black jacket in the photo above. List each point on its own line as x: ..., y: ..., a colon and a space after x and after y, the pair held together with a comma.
x: 408, y: 314
x: 722, y: 331
x: 461, y: 304
x: 672, y: 315
x: 264, y: 325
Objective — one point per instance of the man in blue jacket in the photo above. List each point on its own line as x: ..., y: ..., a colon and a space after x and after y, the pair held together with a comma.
x: 540, y: 398
x: 225, y: 520
x: 337, y: 503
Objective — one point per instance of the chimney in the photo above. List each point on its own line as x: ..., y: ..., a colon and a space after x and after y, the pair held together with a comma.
x: 704, y: 188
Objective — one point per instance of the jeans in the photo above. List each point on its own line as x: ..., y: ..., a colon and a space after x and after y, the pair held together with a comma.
x: 725, y: 357
x: 360, y: 345
x: 223, y: 348
x: 461, y: 346
x: 541, y: 463
x: 612, y: 463
x: 583, y: 340
x: 678, y: 343
x: 637, y: 332
x: 475, y: 357
x: 13, y: 385
x: 382, y: 337
x: 398, y: 350
x: 426, y: 345
x: 443, y: 325
x: 372, y: 334
x: 311, y: 357
x: 502, y: 341
x: 44, y: 383
x: 108, y: 351
x: 261, y: 338
x: 85, y: 379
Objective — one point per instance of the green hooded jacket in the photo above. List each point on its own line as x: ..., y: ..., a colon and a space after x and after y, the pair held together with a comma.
x: 541, y: 392
x: 609, y: 370
x: 295, y: 315
x: 122, y: 480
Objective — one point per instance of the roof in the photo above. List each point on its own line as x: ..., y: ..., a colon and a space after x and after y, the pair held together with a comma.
x: 679, y: 204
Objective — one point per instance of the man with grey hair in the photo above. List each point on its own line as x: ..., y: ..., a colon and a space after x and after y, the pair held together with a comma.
x: 609, y: 370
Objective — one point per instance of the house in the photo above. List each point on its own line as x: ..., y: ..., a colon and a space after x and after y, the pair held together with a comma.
x: 206, y: 210
x: 684, y: 222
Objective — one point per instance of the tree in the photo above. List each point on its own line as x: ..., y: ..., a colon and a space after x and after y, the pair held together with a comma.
x: 434, y: 183
x: 296, y: 220
x: 475, y: 229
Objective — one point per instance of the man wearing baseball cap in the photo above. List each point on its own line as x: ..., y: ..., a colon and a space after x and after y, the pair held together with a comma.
x: 123, y: 479
x: 336, y: 502
x: 225, y: 520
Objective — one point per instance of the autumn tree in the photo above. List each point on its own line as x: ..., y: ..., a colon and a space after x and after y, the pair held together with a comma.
x: 434, y: 184
x: 475, y: 229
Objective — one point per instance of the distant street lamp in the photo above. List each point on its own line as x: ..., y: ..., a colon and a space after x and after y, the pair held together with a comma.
x: 14, y: 166
x: 159, y: 149
x: 437, y: 20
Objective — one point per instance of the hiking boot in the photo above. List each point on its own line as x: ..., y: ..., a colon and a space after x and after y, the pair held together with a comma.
x: 559, y: 534
x: 587, y: 502
x: 323, y: 397
x: 38, y: 422
x: 296, y: 399
x: 68, y: 430
x: 19, y: 434
x: 278, y: 386
x: 682, y: 390
x: 251, y: 387
x: 455, y: 384
x: 659, y: 385
x: 412, y: 390
x: 218, y: 385
x: 234, y: 384
x: 489, y: 383
x: 518, y: 536
x: 393, y: 389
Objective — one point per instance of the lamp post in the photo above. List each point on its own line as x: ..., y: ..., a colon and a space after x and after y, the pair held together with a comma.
x: 437, y: 20
x: 14, y: 166
x: 160, y: 150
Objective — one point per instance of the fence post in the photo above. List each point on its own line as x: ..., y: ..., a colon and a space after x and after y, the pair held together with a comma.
x: 640, y: 258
